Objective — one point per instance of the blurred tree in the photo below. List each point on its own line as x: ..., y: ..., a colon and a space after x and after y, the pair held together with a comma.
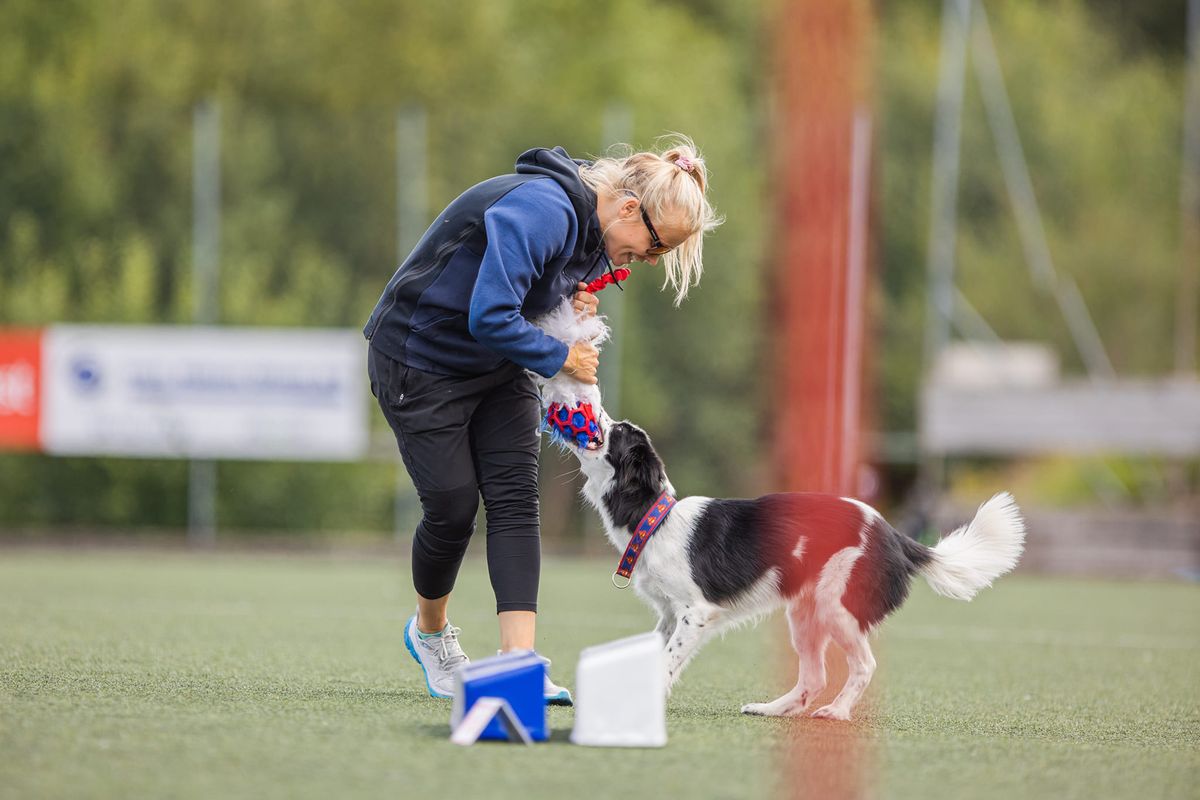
x: 96, y: 104
x: 95, y: 202
x: 1100, y: 131
x: 1150, y: 27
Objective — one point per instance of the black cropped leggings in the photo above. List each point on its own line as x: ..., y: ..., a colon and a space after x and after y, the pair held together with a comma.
x: 461, y: 438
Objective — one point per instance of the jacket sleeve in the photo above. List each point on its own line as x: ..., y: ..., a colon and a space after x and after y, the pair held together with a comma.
x: 528, y: 228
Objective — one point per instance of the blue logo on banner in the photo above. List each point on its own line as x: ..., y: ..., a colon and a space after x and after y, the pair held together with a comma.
x: 86, y: 375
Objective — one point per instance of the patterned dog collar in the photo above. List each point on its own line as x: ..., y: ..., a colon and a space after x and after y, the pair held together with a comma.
x: 645, y: 529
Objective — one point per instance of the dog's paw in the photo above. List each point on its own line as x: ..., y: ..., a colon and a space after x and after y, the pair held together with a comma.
x: 773, y: 709
x: 831, y: 712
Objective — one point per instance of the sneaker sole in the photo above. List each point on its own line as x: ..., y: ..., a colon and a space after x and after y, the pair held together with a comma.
x: 561, y: 699
x: 412, y: 651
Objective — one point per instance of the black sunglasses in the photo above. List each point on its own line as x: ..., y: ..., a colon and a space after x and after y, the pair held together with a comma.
x: 657, y: 248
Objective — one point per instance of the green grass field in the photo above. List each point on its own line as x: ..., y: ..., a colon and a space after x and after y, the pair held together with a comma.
x: 143, y: 674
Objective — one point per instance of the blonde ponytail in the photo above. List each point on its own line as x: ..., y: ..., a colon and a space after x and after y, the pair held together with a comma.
x: 672, y: 183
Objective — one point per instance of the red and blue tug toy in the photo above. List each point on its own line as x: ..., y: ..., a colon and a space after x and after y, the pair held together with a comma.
x: 577, y: 425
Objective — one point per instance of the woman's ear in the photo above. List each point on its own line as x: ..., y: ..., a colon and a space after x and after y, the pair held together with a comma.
x: 629, y: 207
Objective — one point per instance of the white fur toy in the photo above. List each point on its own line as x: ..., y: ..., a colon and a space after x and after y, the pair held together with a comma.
x: 571, y: 405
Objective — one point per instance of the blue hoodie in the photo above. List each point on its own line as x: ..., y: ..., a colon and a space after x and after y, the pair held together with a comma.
x: 505, y: 251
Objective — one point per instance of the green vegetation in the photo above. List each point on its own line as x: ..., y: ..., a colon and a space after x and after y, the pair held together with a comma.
x: 96, y: 102
x: 1101, y: 133
x: 156, y: 674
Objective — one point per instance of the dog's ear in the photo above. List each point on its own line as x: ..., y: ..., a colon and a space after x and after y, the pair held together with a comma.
x: 640, y: 468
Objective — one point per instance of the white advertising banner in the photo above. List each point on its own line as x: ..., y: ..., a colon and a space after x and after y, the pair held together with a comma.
x: 236, y: 393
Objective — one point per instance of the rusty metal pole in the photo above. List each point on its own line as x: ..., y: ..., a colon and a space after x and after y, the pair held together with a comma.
x: 821, y: 158
x: 821, y: 150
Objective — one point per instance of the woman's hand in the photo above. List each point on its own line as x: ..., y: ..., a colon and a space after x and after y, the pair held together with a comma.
x: 585, y: 301
x: 582, y: 362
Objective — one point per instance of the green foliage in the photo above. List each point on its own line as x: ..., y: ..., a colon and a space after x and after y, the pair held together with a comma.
x: 1100, y: 129
x: 298, y: 497
x: 1078, y: 482
x: 95, y: 198
x: 96, y: 104
x: 100, y: 492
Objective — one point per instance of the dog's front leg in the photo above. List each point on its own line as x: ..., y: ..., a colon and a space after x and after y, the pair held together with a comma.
x: 666, y: 615
x: 692, y: 627
x: 666, y: 626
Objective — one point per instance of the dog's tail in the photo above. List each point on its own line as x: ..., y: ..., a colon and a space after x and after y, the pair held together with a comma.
x: 973, y: 556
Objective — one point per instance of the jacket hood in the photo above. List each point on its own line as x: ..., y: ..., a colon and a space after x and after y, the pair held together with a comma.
x: 564, y: 170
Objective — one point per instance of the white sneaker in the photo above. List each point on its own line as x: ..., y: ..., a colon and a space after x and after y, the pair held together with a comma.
x: 439, y: 655
x: 555, y: 695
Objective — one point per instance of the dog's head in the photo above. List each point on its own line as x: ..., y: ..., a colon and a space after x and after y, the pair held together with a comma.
x: 625, y: 474
x: 632, y: 457
x: 626, y: 451
x: 631, y: 472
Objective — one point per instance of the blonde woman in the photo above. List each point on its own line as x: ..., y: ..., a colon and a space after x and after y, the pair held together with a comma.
x: 450, y: 343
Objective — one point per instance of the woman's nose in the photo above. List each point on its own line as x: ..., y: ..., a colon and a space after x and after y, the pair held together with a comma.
x: 652, y: 260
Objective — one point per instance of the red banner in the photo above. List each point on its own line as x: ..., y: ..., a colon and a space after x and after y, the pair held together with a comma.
x: 20, y: 388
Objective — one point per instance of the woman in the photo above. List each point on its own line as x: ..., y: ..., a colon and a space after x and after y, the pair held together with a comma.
x: 450, y: 343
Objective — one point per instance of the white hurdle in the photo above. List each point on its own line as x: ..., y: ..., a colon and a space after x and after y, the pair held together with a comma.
x: 621, y: 694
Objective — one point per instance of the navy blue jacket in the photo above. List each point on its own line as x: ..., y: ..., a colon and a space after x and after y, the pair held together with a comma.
x: 505, y: 251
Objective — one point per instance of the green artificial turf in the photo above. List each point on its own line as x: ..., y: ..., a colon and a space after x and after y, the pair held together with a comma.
x: 130, y: 674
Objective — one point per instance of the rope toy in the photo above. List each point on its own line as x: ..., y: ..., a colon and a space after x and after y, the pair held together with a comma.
x: 613, y: 277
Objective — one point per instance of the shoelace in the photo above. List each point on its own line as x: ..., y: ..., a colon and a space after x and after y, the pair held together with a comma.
x: 451, y: 652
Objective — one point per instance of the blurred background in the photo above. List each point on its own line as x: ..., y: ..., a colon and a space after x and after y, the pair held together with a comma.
x: 1030, y: 242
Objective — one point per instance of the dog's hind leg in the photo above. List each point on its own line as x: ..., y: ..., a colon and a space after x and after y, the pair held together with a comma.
x: 693, y: 625
x: 809, y: 639
x: 859, y: 659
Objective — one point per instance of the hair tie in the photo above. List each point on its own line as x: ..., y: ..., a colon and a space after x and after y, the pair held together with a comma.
x: 685, y: 163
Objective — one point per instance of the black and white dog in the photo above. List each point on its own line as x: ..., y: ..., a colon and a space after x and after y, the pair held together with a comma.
x: 836, y: 565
